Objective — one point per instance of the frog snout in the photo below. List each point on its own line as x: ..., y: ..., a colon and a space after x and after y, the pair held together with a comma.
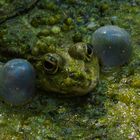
x: 77, y: 76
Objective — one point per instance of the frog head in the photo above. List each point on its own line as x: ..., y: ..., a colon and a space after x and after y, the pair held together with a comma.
x: 70, y: 70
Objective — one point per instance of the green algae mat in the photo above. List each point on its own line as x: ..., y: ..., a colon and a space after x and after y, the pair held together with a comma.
x: 112, y: 110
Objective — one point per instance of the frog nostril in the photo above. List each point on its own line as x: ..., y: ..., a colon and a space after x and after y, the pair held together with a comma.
x: 76, y: 76
x: 71, y: 74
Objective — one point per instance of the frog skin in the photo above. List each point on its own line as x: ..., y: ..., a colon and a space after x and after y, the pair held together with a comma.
x: 44, y: 33
x: 62, y: 66
x: 15, y: 8
x: 68, y: 70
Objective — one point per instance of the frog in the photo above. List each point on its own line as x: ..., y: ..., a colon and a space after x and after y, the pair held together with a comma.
x: 69, y: 70
x: 67, y: 58
x: 62, y: 66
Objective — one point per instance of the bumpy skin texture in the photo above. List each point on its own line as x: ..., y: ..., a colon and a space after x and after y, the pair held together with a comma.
x: 17, y: 81
x: 112, y: 45
x: 74, y: 76
x: 11, y: 9
x: 26, y: 36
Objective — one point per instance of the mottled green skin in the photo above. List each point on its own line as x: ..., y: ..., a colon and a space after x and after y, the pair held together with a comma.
x: 75, y: 76
x: 111, y: 111
x: 19, y: 39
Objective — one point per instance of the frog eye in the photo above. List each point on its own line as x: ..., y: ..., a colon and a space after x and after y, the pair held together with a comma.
x: 50, y: 67
x: 89, y: 50
x: 51, y: 64
x: 81, y: 51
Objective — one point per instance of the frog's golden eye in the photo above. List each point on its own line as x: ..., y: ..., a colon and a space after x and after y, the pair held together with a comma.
x: 51, y: 64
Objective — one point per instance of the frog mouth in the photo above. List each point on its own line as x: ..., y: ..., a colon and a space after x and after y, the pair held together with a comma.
x: 79, y: 89
x: 89, y: 86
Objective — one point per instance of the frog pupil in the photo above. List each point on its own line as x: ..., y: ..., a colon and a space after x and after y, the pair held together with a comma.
x: 89, y: 50
x: 48, y: 65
